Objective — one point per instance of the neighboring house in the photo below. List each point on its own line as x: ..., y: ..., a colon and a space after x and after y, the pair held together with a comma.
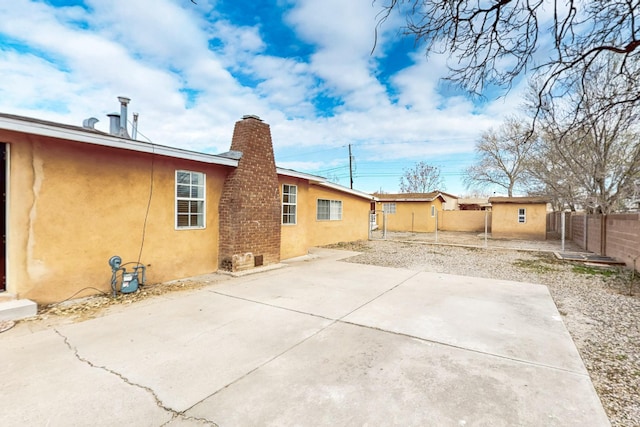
x: 415, y: 212
x: 473, y: 204
x: 519, y: 217
x: 450, y: 201
x: 76, y: 196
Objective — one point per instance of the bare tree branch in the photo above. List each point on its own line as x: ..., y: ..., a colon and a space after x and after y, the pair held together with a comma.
x: 502, y: 156
x: 422, y: 178
x: 494, y: 42
x: 589, y: 151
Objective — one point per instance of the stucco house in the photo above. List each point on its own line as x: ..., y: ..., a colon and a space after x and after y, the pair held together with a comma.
x: 75, y: 196
x: 415, y: 212
x: 519, y: 217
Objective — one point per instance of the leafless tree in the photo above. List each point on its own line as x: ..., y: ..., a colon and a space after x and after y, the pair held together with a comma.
x: 493, y: 42
x: 502, y: 156
x: 422, y: 178
x: 546, y: 175
x: 588, y: 152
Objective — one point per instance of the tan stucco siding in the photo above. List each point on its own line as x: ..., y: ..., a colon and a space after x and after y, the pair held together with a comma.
x: 464, y: 220
x: 504, y: 221
x: 353, y: 226
x: 294, y: 236
x: 413, y: 216
x: 309, y: 231
x: 72, y: 206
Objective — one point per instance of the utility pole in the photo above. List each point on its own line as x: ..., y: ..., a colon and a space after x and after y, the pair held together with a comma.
x: 350, y: 167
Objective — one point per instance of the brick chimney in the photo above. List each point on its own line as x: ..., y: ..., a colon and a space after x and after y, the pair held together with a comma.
x: 250, y: 202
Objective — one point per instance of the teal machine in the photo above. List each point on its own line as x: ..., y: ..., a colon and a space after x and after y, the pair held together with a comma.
x: 129, y: 280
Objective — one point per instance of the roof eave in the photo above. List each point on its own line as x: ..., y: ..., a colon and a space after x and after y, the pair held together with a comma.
x: 106, y: 140
x: 318, y: 180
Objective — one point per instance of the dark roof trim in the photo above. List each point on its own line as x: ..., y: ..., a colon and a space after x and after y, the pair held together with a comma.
x: 520, y: 200
x: 410, y: 197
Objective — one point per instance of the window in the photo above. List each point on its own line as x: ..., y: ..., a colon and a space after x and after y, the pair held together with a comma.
x: 289, y: 200
x: 389, y: 208
x: 329, y: 210
x: 522, y: 215
x: 190, y: 199
x: 433, y: 210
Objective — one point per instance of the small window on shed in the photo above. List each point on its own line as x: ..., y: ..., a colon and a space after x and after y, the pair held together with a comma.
x: 433, y: 210
x: 522, y: 215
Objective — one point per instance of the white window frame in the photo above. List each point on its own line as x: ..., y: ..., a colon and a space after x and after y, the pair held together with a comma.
x: 334, y: 212
x: 522, y: 215
x: 433, y: 210
x: 194, y: 193
x: 290, y: 200
x: 389, y: 207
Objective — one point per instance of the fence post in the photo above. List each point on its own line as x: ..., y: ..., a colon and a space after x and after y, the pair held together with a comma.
x: 486, y: 225
x: 384, y: 224
x: 562, y: 221
x: 586, y: 230
x: 603, y: 235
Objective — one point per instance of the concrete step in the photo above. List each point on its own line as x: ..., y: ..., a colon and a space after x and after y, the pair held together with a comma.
x: 17, y: 309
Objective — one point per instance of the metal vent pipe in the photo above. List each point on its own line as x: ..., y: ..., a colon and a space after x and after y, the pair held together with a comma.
x: 114, y: 123
x: 124, y: 101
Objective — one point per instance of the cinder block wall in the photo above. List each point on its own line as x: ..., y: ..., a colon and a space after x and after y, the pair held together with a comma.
x: 621, y: 233
x: 623, y: 238
x: 250, y: 202
x: 578, y: 229
x: 594, y: 234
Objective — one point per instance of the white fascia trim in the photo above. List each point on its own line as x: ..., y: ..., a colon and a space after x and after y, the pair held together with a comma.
x: 315, y: 179
x: 301, y: 175
x: 110, y: 141
x: 347, y: 190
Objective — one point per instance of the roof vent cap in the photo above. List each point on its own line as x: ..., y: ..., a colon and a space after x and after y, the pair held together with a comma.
x: 251, y: 116
x: 89, y: 123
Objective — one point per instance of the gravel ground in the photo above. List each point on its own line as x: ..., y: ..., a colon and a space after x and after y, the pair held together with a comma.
x: 596, y: 305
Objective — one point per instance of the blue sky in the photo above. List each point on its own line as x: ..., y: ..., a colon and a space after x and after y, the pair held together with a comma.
x: 192, y: 70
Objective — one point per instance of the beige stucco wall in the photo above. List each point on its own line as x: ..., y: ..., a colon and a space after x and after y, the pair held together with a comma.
x: 72, y: 206
x: 410, y: 216
x: 504, y: 221
x: 464, y: 220
x: 309, y: 232
x: 293, y: 238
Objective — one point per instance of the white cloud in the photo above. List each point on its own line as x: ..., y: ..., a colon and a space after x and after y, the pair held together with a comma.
x: 73, y: 62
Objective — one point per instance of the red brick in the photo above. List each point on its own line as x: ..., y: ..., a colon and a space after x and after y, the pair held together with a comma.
x: 250, y: 202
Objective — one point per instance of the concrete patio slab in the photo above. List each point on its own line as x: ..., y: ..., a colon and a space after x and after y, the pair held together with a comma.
x: 321, y: 342
x: 510, y: 319
x: 349, y: 375
x: 323, y: 288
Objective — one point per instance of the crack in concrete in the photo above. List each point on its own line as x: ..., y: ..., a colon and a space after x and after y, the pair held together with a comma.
x: 175, y: 414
